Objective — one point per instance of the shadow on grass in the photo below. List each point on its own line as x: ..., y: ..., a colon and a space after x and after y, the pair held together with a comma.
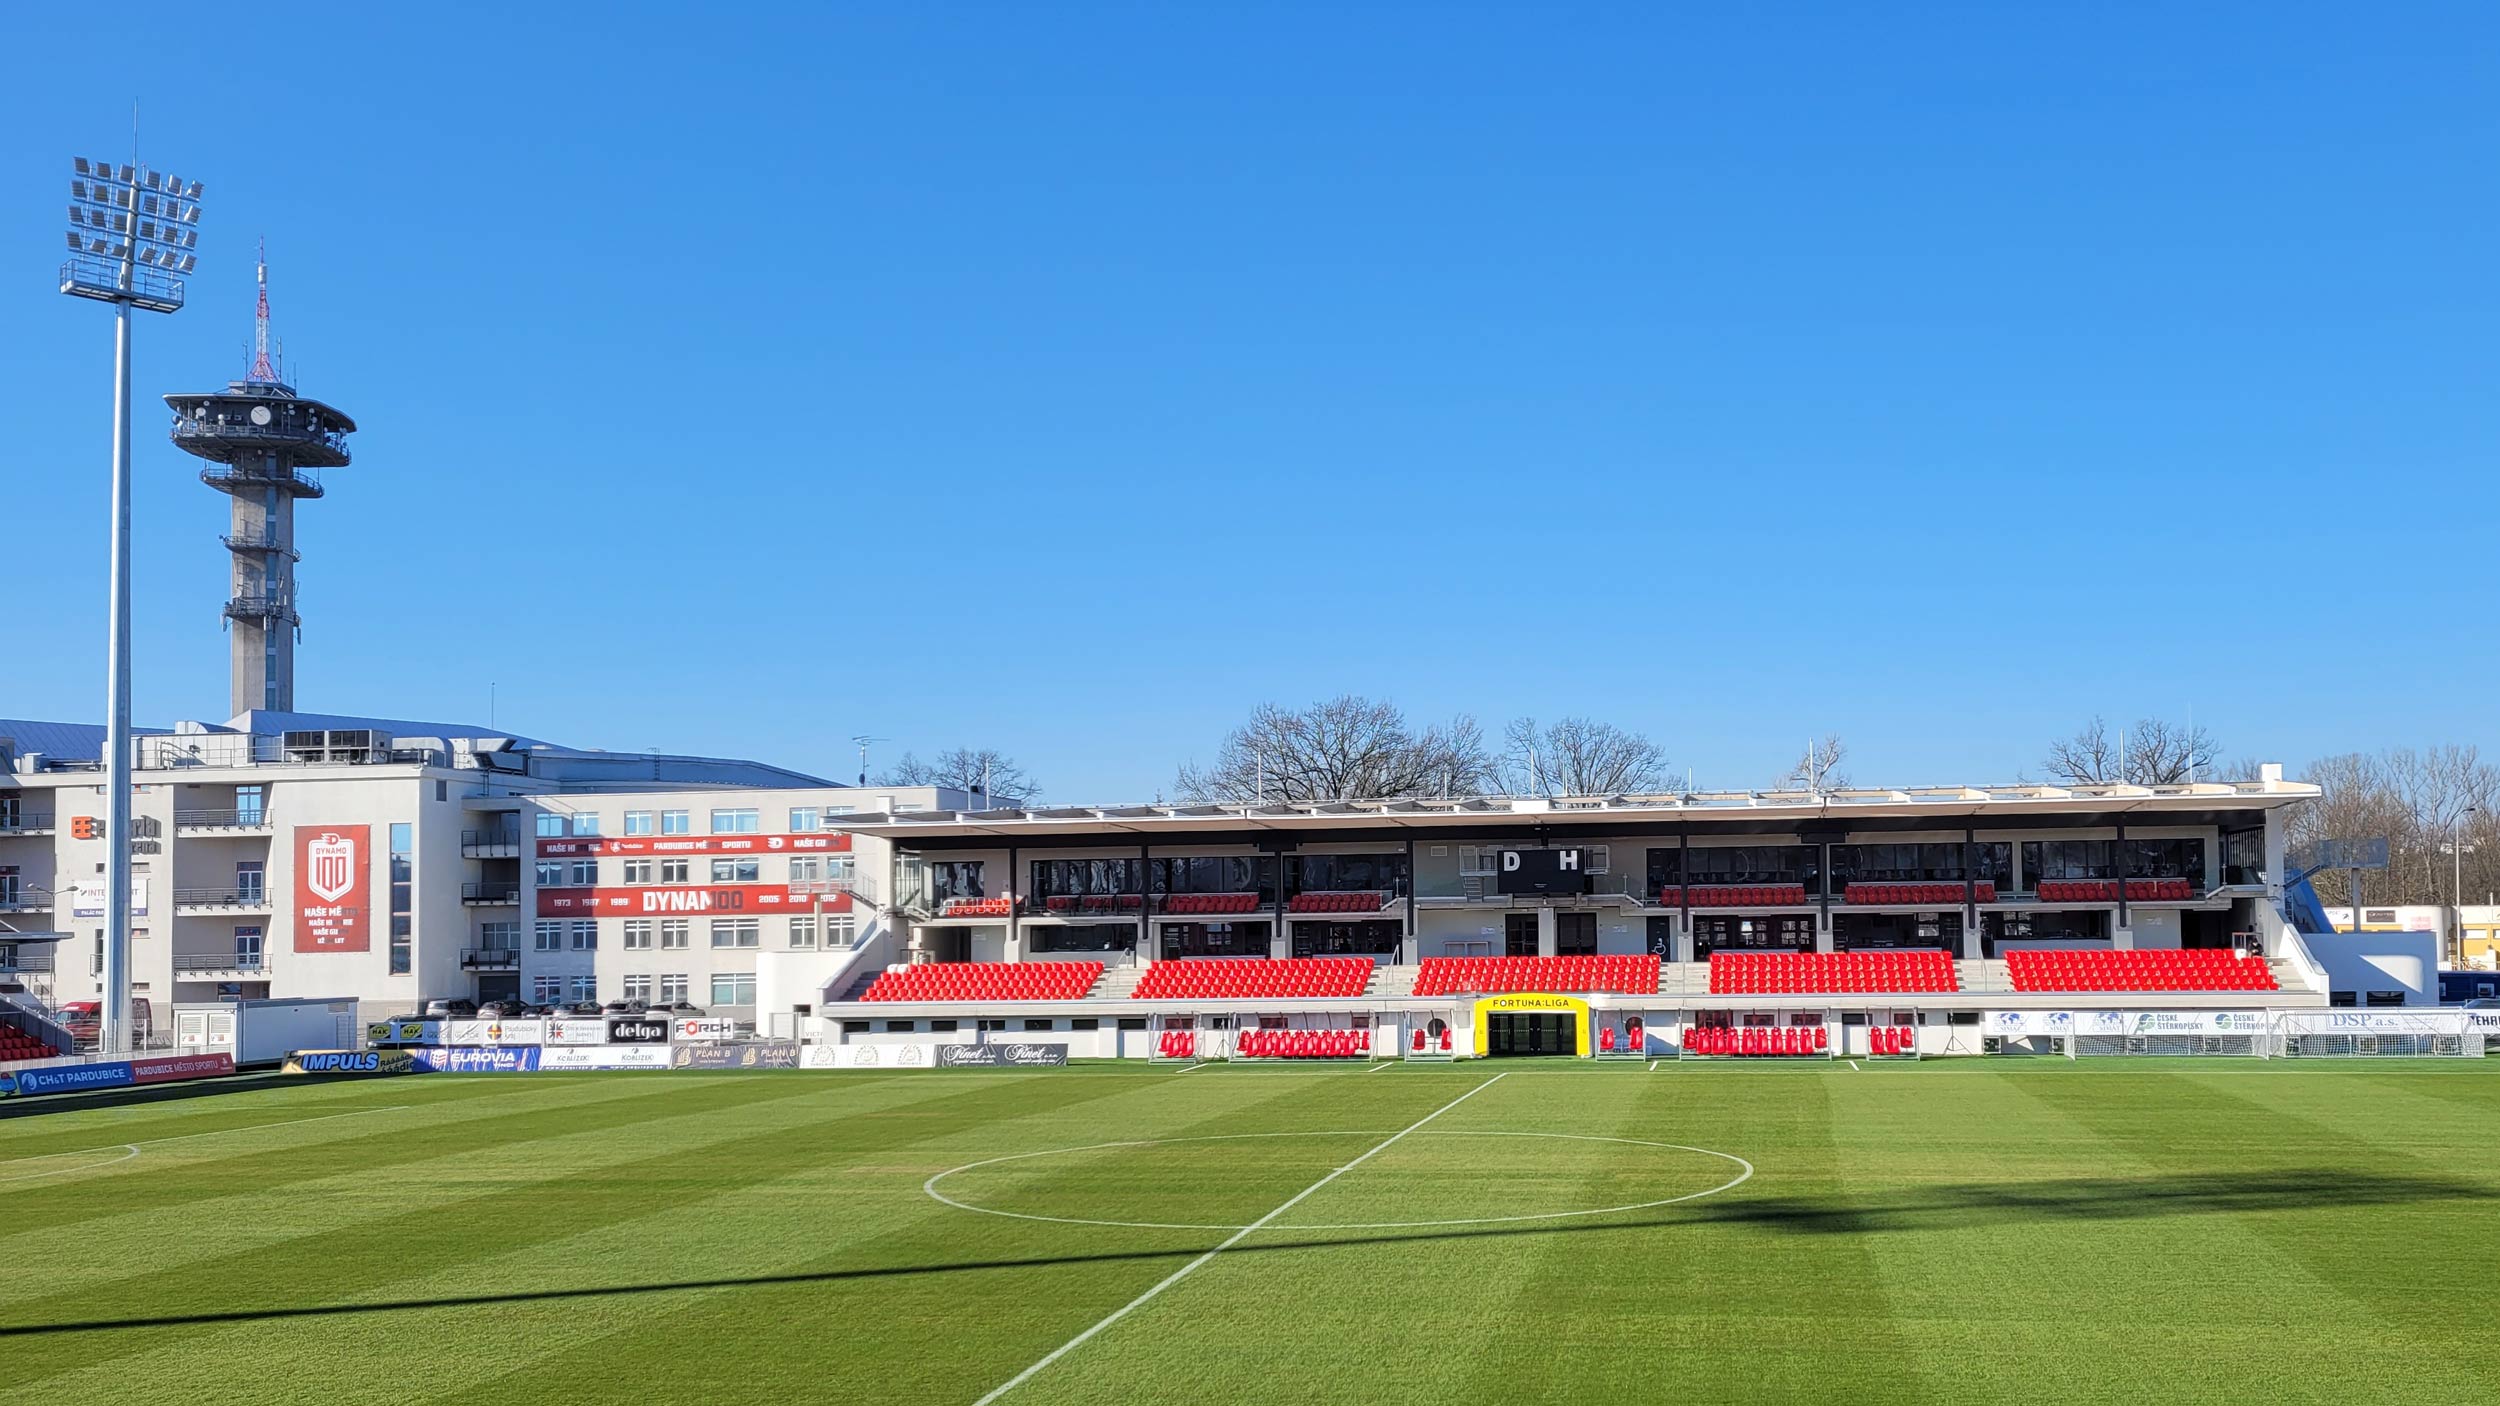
x: 1966, y: 1206
x: 248, y: 1082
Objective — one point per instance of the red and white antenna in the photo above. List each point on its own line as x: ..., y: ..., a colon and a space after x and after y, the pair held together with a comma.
x: 262, y: 370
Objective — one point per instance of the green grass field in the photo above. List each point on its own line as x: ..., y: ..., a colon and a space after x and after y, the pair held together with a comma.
x: 1966, y: 1231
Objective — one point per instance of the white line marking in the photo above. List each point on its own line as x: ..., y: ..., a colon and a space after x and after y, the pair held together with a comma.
x: 1196, y: 1067
x: 1384, y: 1064
x: 179, y: 1137
x: 1653, y: 1066
x: 1230, y: 1241
x: 930, y: 1187
x: 1853, y: 1064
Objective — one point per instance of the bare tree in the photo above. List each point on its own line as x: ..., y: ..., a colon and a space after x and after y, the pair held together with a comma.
x: 1577, y: 757
x: 2150, y: 752
x: 1347, y: 748
x: 1817, y: 768
x: 2420, y: 802
x: 985, y: 771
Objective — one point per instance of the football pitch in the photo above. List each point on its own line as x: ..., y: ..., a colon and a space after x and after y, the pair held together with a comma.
x: 1967, y: 1231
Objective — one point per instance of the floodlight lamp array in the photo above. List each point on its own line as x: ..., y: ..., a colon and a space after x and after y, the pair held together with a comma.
x: 134, y: 215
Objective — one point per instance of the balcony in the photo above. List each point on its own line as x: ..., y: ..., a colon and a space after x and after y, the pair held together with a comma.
x: 490, y: 895
x: 246, y: 966
x: 490, y: 844
x: 236, y: 898
x: 24, y: 824
x: 489, y: 959
x: 15, y: 960
x: 255, y: 820
x: 25, y: 900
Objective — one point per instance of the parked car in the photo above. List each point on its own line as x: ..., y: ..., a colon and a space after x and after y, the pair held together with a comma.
x: 628, y: 1007
x: 578, y: 1008
x: 679, y: 1010
x: 450, y: 1008
x: 84, y: 1019
x: 504, y: 1010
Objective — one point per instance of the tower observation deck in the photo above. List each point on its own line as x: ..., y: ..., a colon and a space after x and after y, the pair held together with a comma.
x: 265, y: 446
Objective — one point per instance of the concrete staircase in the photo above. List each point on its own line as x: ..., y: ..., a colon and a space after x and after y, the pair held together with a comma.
x: 1117, y: 984
x: 1392, y: 981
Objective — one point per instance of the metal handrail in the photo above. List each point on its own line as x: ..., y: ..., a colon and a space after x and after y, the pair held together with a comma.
x: 23, y: 821
x: 27, y: 962
x: 192, y: 427
x: 217, y: 962
x: 221, y: 898
x: 478, y: 839
x: 490, y: 893
x: 223, y: 819
x: 226, y: 477
x: 475, y: 957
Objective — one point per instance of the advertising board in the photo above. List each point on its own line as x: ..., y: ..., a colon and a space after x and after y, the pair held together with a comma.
x: 577, y: 1030
x: 755, y: 1054
x: 1001, y: 1056
x: 331, y: 864
x: 164, y: 1068
x: 404, y: 1032
x: 350, y: 1062
x: 505, y: 1059
x: 915, y: 1055
x: 637, y: 1030
x: 2020, y: 1025
x: 603, y: 1057
x: 702, y: 1029
x: 1541, y: 871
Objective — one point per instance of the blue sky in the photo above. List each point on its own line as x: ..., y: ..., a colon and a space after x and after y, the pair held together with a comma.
x: 1071, y: 379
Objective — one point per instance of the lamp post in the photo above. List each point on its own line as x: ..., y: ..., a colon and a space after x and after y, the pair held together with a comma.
x: 2457, y: 850
x: 131, y: 236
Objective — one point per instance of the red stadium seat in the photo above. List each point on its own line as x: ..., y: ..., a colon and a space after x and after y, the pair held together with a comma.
x: 986, y: 981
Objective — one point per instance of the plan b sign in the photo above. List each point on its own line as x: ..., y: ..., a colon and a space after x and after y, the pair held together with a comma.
x: 1541, y: 870
x: 331, y: 868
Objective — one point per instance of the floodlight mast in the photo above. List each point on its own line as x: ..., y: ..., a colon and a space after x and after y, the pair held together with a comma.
x: 129, y: 216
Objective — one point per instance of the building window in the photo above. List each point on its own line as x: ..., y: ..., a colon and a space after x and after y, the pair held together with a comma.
x: 832, y: 811
x: 1214, y: 940
x: 585, y: 872
x: 841, y: 932
x: 955, y: 878
x: 544, y: 989
x: 247, y: 949
x: 673, y: 871
x: 1036, y: 1023
x: 2068, y: 859
x: 1084, y: 937
x: 585, y: 823
x: 248, y: 886
x: 745, y: 820
x: 839, y: 868
x: 673, y: 932
x: 733, y: 988
x: 10, y: 893
x: 803, y: 820
x: 637, y: 871
x: 638, y: 988
x: 550, y: 824
x: 499, y: 936
x: 806, y: 869
x: 676, y: 822
x: 550, y: 873
x: 637, y: 934
x: 585, y: 934
x: 673, y: 987
x: 585, y: 986
x: 548, y: 935
x: 638, y: 822
x: 802, y: 932
x: 403, y: 897
x: 737, y: 932
x: 745, y: 870
x: 251, y: 804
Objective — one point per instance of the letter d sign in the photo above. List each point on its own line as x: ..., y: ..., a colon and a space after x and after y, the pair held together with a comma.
x: 1510, y: 861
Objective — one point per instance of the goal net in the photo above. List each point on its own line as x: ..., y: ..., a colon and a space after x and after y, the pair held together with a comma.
x: 2094, y: 1046
x: 2171, y: 1034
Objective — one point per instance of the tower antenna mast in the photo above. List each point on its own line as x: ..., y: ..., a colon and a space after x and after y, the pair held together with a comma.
x: 262, y: 370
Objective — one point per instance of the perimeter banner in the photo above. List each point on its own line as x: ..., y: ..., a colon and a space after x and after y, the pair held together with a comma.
x: 758, y: 1054
x: 331, y: 863
x: 1000, y: 1056
x: 2022, y: 1025
x: 916, y: 1055
x: 603, y: 1057
x: 2170, y: 1022
x: 351, y: 1062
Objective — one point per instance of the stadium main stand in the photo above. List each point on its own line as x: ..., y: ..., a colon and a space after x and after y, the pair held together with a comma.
x: 2153, y: 969
x: 986, y: 981
x: 1254, y: 979
x: 1781, y: 973
x: 1303, y: 1044
x: 1634, y: 975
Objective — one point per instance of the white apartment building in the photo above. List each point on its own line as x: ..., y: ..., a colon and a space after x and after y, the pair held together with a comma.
x: 293, y: 854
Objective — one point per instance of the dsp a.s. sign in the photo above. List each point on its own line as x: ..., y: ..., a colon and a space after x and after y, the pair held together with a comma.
x: 332, y: 867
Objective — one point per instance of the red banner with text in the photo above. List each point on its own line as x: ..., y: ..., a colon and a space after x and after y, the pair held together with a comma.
x: 332, y: 864
x: 682, y: 900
